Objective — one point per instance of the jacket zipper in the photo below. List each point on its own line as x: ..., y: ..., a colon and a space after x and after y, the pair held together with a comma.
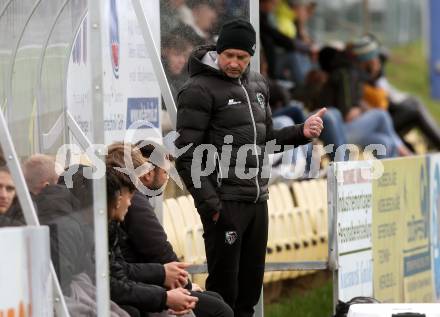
x: 255, y: 139
x: 219, y: 172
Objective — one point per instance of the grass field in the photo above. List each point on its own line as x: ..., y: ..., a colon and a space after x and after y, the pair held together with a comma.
x: 408, y: 71
x: 312, y: 303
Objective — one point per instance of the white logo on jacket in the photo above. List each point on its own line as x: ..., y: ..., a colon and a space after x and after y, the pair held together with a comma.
x: 231, y: 237
x: 261, y: 100
x: 233, y: 102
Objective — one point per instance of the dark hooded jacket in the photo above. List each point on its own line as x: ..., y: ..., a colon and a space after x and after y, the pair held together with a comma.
x: 71, y: 237
x: 143, y: 239
x: 212, y: 106
x: 134, y: 284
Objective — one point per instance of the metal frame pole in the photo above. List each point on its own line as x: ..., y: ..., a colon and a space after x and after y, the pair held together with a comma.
x: 332, y: 196
x: 254, y: 17
x: 274, y: 267
x: 156, y: 62
x: 161, y: 77
x: 366, y: 16
x: 97, y: 18
x: 76, y: 131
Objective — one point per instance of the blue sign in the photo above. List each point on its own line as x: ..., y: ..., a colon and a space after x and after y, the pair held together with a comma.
x: 143, y: 109
x: 435, y: 224
x: 434, y: 63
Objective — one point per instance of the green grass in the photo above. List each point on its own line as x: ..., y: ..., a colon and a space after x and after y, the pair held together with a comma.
x: 313, y: 303
x: 407, y: 70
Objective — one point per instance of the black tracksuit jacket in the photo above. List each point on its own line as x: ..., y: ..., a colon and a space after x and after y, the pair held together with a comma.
x: 212, y: 106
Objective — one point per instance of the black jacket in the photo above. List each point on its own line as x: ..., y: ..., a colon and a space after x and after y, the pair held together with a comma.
x: 71, y: 238
x: 145, y: 239
x: 134, y: 284
x: 343, y: 89
x: 212, y: 106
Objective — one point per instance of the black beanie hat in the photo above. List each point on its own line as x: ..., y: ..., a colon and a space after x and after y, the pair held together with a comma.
x: 238, y: 34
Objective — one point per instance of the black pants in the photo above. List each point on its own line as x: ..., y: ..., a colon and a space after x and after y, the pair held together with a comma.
x: 211, y: 304
x: 235, y: 250
x: 132, y: 311
x: 411, y: 113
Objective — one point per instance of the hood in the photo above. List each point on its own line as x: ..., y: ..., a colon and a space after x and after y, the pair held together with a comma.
x: 203, y: 61
x: 197, y: 60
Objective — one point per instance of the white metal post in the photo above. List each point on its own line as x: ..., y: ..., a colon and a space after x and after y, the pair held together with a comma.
x: 254, y: 17
x: 97, y: 18
x: 332, y: 227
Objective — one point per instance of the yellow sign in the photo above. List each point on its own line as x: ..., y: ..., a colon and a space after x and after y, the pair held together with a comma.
x: 388, y: 233
x: 417, y: 270
x: 402, y: 262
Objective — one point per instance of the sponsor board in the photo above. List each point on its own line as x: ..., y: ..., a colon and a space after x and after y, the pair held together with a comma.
x: 26, y: 281
x: 354, y: 229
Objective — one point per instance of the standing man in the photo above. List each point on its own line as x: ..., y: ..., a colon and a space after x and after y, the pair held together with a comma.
x: 224, y: 104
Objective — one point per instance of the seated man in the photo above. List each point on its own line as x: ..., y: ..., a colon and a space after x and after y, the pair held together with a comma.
x: 143, y: 286
x: 145, y: 240
x: 39, y: 171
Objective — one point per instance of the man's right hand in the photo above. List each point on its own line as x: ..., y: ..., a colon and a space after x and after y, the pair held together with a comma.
x: 175, y: 275
x: 180, y: 301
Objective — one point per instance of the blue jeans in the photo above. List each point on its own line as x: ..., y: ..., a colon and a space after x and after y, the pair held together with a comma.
x: 297, y: 63
x: 374, y: 127
x: 334, y: 132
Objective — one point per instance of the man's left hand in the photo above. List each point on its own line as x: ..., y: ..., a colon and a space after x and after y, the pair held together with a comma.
x: 314, y: 125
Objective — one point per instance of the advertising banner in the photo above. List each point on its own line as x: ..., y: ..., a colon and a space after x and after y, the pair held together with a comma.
x: 402, y: 268
x: 416, y: 251
x: 354, y: 209
x: 388, y: 232
x: 26, y: 282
